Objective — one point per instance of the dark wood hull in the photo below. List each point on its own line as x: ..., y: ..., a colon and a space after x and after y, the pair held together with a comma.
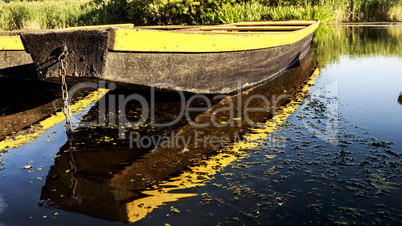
x: 92, y: 55
x: 223, y: 72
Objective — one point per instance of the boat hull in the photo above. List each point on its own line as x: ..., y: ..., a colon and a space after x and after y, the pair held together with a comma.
x: 222, y: 72
x: 169, y: 60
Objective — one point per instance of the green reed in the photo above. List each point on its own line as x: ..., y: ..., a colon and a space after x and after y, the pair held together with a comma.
x: 33, y: 15
x: 44, y: 14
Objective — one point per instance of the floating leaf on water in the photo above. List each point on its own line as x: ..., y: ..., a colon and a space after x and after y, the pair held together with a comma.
x: 269, y: 156
x: 383, y: 184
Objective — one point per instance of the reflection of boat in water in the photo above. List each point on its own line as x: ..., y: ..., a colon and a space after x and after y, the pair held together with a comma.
x: 198, y: 60
x: 30, y: 103
x: 35, y: 106
x: 105, y: 178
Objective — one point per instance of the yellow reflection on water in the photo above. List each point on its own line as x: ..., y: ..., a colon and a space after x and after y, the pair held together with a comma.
x: 196, y: 176
x: 200, y: 175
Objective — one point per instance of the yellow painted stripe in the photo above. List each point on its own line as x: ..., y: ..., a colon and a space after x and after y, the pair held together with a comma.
x: 255, y: 28
x: 23, y: 137
x: 176, y: 41
x: 277, y: 23
x: 11, y: 43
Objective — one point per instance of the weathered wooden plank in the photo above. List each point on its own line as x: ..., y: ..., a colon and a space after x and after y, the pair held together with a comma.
x: 277, y: 23
x: 202, y: 72
x: 255, y: 28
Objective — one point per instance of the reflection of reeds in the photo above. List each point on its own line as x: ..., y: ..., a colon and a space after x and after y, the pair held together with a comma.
x: 330, y: 43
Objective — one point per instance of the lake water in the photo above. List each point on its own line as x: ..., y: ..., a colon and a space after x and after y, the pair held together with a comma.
x: 327, y: 150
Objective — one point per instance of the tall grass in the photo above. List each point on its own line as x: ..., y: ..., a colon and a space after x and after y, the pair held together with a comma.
x: 17, y: 15
x: 323, y: 13
x: 370, y: 10
x: 44, y: 14
x: 328, y: 11
x: 229, y: 13
x: 256, y: 11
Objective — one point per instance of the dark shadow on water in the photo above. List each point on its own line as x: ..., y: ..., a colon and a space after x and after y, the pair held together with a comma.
x: 22, y: 103
x: 25, y: 102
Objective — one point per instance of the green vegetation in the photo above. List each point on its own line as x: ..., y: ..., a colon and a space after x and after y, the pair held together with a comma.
x: 253, y: 10
x: 16, y: 15
x: 42, y: 14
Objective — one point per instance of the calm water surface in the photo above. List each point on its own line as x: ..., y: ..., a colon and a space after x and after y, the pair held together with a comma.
x: 334, y: 156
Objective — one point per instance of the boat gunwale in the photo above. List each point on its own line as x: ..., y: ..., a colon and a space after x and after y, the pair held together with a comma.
x: 18, y: 46
x: 122, y: 42
x: 199, y: 31
x: 11, y: 43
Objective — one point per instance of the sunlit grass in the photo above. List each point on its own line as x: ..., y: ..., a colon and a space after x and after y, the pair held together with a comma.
x: 18, y: 15
x: 323, y: 13
x: 328, y: 11
x: 45, y: 14
x: 255, y: 11
x: 229, y: 13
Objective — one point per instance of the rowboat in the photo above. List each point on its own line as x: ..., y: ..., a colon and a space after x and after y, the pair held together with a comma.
x: 211, y: 59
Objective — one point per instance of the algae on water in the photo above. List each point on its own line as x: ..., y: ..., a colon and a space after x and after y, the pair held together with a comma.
x: 383, y: 184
